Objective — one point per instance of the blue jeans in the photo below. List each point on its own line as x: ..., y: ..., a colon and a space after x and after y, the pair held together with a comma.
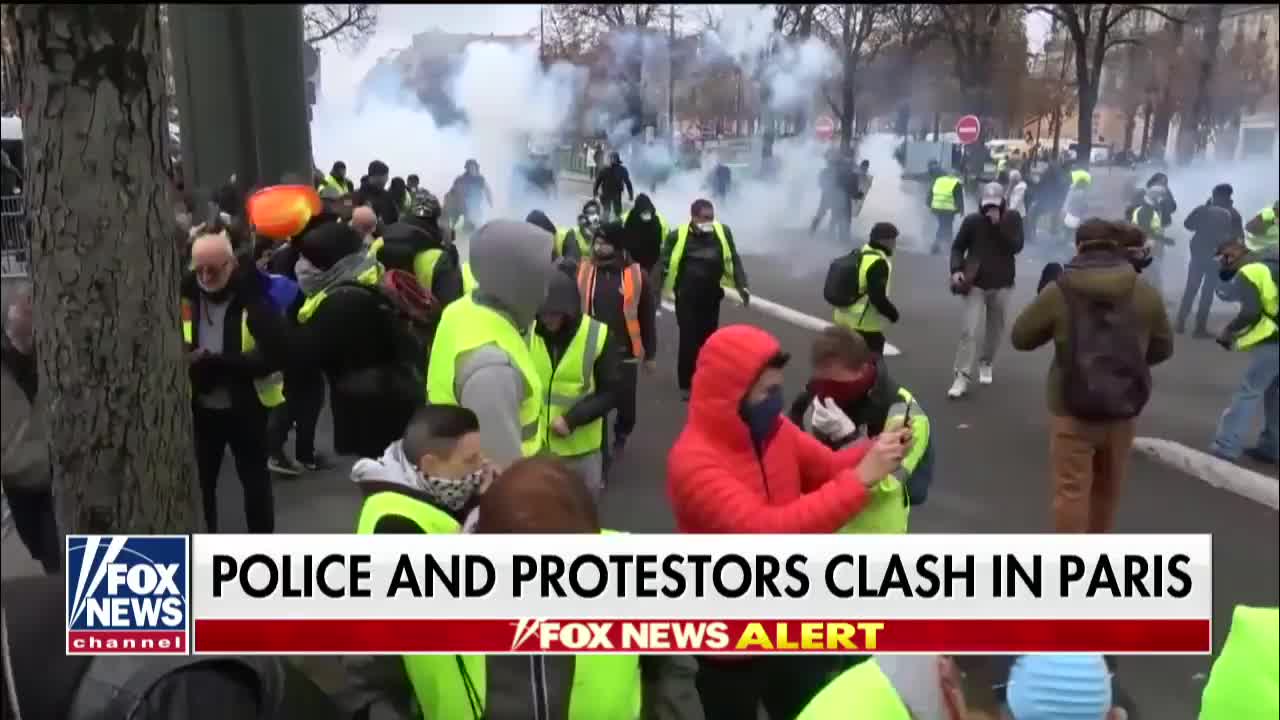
x: 1261, y: 382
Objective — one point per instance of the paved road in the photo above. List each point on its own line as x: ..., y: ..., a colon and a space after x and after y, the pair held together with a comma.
x: 992, y: 450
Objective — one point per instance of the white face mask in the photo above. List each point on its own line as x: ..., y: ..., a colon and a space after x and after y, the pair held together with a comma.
x: 705, y: 227
x: 646, y: 216
x: 593, y: 219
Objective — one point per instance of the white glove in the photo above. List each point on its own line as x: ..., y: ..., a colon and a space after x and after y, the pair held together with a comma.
x: 830, y: 420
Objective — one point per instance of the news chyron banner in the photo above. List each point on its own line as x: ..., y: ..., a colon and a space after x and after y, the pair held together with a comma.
x: 640, y: 594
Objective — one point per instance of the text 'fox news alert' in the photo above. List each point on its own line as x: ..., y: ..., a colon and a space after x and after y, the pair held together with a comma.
x: 127, y: 595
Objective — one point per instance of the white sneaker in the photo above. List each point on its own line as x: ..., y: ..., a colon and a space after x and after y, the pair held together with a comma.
x: 959, y: 387
x: 984, y: 374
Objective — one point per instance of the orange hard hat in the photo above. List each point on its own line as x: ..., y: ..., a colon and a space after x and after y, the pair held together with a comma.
x: 282, y: 211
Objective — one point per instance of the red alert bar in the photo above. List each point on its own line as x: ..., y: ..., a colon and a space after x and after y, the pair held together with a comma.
x: 675, y: 637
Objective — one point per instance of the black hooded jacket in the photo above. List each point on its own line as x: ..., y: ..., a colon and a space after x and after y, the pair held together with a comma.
x: 606, y: 305
x: 562, y: 297
x: 403, y: 241
x: 612, y: 180
x: 644, y: 237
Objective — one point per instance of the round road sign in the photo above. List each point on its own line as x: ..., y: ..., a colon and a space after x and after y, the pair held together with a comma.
x: 824, y: 127
x: 968, y: 128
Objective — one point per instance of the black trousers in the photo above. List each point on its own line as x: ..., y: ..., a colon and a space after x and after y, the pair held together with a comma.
x: 875, y: 341
x: 611, y: 205
x: 624, y: 420
x: 733, y: 689
x: 37, y: 528
x: 245, y: 432
x: 698, y: 315
x: 1202, y: 278
x: 304, y: 395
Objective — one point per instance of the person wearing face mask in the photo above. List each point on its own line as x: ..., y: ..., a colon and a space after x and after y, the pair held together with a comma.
x: 617, y: 292
x: 646, y: 229
x: 717, y: 483
x: 610, y: 182
x: 1253, y: 280
x: 480, y: 358
x: 699, y: 260
x: 983, y: 266
x: 865, y: 275
x: 933, y: 687
x: 233, y: 385
x: 1148, y: 214
x: 574, y: 243
x: 577, y: 361
x: 851, y: 396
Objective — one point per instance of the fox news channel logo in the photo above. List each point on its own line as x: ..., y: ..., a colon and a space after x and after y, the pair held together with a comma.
x: 127, y: 595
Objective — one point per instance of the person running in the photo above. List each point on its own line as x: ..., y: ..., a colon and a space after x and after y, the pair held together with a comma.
x: 866, y: 287
x: 983, y: 267
x: 609, y: 184
x: 617, y: 292
x: 945, y: 201
x: 699, y: 259
x: 469, y: 197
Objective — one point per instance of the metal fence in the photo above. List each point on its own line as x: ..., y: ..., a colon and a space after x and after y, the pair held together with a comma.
x: 15, y: 237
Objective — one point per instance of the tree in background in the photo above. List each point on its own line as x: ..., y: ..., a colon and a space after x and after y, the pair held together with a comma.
x: 912, y: 28
x: 349, y: 26
x: 972, y: 31
x: 108, y: 339
x: 856, y: 35
x: 1095, y: 30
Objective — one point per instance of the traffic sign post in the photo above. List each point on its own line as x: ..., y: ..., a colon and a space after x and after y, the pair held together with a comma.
x: 968, y: 129
x: 824, y: 127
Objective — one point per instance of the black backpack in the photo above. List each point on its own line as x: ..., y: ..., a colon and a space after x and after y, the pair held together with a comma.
x: 841, y: 287
x: 412, y: 332
x: 1104, y: 374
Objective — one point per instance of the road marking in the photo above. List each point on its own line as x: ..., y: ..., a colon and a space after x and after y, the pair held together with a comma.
x: 1216, y: 472
x: 787, y: 315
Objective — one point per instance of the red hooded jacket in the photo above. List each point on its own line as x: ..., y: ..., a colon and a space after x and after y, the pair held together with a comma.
x: 716, y: 480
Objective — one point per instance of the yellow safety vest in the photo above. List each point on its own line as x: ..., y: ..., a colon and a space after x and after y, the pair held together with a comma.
x: 584, y: 248
x: 430, y: 518
x: 677, y: 254
x: 466, y: 325
x: 862, y: 315
x: 887, y: 508
x: 333, y: 182
x: 864, y: 687
x: 270, y: 388
x: 662, y: 223
x: 424, y: 263
x: 1259, y: 275
x: 1157, y: 225
x: 943, y: 198
x: 570, y: 381
x: 1269, y: 238
x: 1245, y: 680
x: 1081, y: 177
x: 368, y: 274
x: 605, y: 687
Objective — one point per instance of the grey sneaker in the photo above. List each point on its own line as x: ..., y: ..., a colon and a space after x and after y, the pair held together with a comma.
x: 284, y: 465
x: 316, y: 463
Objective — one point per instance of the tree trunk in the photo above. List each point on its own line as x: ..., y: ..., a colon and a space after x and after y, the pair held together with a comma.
x: 1146, y: 128
x: 108, y: 338
x: 1130, y: 125
x: 1201, y: 116
x: 846, y: 105
x: 902, y: 120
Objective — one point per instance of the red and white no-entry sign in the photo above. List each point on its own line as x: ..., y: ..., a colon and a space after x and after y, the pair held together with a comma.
x: 824, y: 127
x: 968, y: 128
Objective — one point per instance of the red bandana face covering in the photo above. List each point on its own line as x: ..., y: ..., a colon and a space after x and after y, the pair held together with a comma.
x: 845, y: 392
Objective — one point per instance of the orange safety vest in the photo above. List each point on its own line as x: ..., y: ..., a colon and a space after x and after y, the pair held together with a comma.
x: 632, y: 277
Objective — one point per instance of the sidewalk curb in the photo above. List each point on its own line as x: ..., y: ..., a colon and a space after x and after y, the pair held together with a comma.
x: 786, y: 315
x: 1218, y: 473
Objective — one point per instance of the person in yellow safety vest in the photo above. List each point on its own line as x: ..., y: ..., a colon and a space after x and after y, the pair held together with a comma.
x: 1263, y: 230
x: 946, y: 201
x: 646, y: 229
x: 337, y: 179
x: 874, y: 277
x: 577, y: 362
x: 617, y: 292
x: 416, y: 244
x: 1252, y: 279
x: 850, y: 396
x: 1147, y: 216
x: 542, y: 495
x: 699, y: 260
x: 907, y: 687
x: 1244, y: 683
x: 233, y: 384
x: 574, y: 243
x: 480, y: 358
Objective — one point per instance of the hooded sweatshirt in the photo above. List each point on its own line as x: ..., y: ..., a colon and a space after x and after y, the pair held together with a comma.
x: 1213, y: 223
x: 991, y: 247
x: 1246, y: 293
x: 606, y: 301
x: 1109, y: 276
x: 717, y: 480
x: 644, y: 237
x: 509, y: 262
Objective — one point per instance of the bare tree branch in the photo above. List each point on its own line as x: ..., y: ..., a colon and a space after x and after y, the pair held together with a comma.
x: 348, y: 25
